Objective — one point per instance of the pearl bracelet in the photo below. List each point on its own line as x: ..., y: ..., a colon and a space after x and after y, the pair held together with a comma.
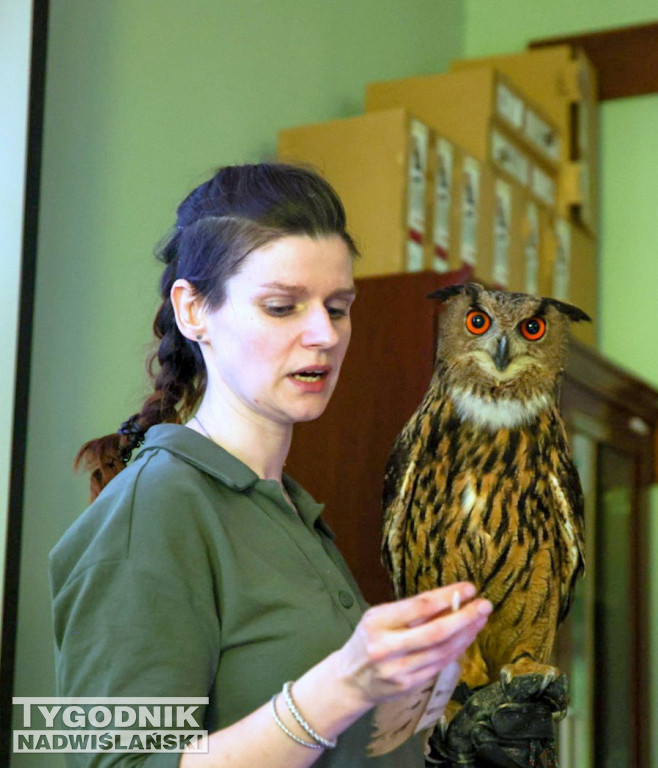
x: 287, y: 731
x: 287, y: 695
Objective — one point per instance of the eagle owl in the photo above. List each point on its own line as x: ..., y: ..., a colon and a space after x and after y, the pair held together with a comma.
x: 480, y: 485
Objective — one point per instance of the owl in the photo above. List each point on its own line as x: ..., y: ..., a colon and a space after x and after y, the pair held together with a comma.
x: 480, y: 485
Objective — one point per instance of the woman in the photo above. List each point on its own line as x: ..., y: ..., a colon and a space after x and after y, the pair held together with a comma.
x: 202, y: 569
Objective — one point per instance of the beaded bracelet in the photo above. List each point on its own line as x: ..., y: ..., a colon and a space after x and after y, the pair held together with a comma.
x: 287, y: 695
x: 287, y: 731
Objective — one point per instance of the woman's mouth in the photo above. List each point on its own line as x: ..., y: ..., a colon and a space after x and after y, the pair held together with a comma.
x: 311, y: 375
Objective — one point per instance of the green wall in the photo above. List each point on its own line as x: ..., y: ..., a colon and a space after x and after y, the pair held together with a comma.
x: 144, y: 99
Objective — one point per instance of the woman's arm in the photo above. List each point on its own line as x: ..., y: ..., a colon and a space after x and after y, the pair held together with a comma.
x: 396, y: 648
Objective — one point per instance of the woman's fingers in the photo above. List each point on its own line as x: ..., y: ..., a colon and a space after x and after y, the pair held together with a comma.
x: 424, y: 606
x: 399, y: 644
x: 467, y: 621
x: 426, y: 620
x: 434, y: 645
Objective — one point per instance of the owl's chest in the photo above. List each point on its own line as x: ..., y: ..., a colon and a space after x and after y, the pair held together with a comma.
x: 488, y: 482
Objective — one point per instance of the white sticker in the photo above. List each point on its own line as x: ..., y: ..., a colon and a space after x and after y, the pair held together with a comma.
x: 509, y: 106
x: 541, y: 135
x: 501, y: 232
x: 470, y: 205
x: 542, y: 186
x: 442, y: 205
x: 416, y: 194
x: 531, y: 248
x: 507, y: 156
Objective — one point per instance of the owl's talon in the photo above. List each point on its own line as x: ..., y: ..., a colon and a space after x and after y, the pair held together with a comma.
x: 528, y: 675
x: 549, y: 678
x: 506, y: 678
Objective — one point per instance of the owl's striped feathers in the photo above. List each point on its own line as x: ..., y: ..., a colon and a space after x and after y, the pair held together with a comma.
x: 480, y: 485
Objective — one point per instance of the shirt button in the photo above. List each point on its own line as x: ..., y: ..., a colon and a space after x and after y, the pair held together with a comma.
x: 346, y: 600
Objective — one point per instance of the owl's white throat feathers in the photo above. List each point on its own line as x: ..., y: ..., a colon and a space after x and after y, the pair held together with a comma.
x: 505, y: 413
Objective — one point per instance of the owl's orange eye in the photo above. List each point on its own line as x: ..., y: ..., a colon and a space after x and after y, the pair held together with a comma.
x: 533, y: 328
x: 478, y: 322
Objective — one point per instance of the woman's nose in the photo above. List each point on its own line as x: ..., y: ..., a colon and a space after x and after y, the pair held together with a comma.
x: 319, y: 330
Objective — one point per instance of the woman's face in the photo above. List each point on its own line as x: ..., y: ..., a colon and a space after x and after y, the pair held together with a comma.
x: 274, y: 348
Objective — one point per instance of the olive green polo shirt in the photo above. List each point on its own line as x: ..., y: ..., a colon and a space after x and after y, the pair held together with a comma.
x: 191, y: 576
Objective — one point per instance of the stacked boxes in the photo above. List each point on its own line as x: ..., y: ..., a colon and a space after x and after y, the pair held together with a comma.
x: 378, y: 165
x: 571, y: 272
x: 562, y: 81
x: 459, y: 189
x: 508, y: 174
x: 480, y: 167
x: 483, y: 108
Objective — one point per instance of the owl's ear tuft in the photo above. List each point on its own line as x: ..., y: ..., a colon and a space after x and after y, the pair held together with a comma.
x: 573, y: 313
x: 443, y: 294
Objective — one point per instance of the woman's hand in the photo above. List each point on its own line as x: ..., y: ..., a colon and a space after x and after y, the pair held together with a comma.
x: 398, y: 647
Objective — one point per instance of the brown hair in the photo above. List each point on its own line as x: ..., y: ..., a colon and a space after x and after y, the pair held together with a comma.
x: 240, y: 209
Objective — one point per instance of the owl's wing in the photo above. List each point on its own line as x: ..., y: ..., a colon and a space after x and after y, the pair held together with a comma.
x: 398, y: 493
x: 570, y: 511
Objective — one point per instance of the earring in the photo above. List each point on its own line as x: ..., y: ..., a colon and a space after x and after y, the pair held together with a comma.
x: 199, y: 336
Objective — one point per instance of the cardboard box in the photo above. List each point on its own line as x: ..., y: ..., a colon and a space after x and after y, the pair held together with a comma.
x: 378, y: 164
x: 464, y: 106
x: 571, y: 266
x: 535, y: 223
x: 562, y: 82
x: 504, y: 241
x: 444, y: 191
x: 508, y: 269
x: 540, y: 180
x: 473, y: 216
x: 485, y: 226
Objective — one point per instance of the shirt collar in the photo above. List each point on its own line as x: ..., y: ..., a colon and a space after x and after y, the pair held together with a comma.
x: 201, y: 452
x: 195, y: 449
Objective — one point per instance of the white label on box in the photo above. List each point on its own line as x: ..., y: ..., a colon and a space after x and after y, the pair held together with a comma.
x: 470, y: 205
x: 509, y: 106
x: 442, y: 205
x: 502, y: 219
x: 531, y: 248
x: 416, y: 194
x: 415, y: 256
x: 562, y: 265
x: 507, y: 156
x: 542, y: 186
x: 541, y: 135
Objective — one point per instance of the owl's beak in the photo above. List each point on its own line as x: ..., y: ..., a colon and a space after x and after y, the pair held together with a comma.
x: 501, y: 357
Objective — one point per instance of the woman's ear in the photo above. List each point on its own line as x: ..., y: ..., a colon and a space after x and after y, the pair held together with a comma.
x: 189, y: 310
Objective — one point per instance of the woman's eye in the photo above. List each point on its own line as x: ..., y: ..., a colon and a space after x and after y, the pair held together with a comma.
x: 335, y: 313
x: 279, y: 310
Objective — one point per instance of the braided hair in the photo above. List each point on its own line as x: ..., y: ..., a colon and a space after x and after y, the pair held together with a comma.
x: 240, y: 209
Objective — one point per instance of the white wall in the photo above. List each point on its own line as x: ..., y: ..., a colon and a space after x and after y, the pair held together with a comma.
x: 16, y: 26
